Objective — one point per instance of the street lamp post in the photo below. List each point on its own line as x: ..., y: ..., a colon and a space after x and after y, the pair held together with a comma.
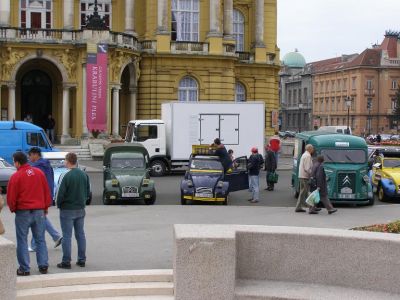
x: 348, y: 101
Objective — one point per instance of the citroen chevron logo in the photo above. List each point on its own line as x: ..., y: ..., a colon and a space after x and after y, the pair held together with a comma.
x: 346, y: 180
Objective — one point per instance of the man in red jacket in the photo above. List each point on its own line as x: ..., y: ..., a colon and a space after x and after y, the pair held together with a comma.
x: 28, y: 195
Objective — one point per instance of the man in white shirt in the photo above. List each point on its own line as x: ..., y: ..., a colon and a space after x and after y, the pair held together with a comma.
x: 305, y: 168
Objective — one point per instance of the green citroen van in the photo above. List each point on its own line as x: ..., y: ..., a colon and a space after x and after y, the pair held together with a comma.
x: 346, y: 165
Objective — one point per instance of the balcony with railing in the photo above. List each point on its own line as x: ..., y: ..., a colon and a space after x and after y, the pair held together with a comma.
x: 189, y: 47
x: 245, y: 56
x: 65, y: 36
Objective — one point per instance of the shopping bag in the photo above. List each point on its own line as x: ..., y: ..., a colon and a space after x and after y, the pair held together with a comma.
x: 313, y: 198
x: 273, y: 177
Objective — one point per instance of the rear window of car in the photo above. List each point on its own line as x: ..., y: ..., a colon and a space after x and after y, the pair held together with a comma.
x: 391, y: 163
x: 127, y: 163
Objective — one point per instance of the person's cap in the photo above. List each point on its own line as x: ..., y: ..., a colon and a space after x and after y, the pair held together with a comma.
x: 254, y: 150
x: 34, y: 150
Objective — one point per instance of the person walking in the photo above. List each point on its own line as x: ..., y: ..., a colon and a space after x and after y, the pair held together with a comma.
x: 319, y: 176
x: 305, y: 168
x: 28, y: 196
x: 50, y: 124
x: 270, y: 167
x: 71, y: 199
x: 35, y: 156
x: 255, y: 163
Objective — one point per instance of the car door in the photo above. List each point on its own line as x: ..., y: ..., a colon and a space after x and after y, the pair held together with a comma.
x: 239, y: 177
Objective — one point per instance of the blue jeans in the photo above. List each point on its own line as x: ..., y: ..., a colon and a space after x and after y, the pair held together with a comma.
x: 51, y: 230
x: 73, y: 219
x: 34, y: 219
x: 255, y: 186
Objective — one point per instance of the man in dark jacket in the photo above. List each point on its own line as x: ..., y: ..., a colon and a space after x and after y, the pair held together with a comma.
x: 319, y: 178
x: 255, y: 163
x: 71, y: 198
x: 35, y: 156
x: 222, y: 154
x: 28, y: 196
x: 270, y: 167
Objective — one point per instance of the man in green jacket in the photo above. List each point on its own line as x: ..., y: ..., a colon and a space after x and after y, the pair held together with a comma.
x: 71, y: 198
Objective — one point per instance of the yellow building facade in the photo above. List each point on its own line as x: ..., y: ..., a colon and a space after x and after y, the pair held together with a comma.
x: 158, y: 50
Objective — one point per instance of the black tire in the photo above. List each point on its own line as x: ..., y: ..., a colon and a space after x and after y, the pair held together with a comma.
x: 371, y: 201
x: 105, y: 200
x: 381, y: 194
x: 152, y: 200
x: 183, y: 200
x: 158, y: 168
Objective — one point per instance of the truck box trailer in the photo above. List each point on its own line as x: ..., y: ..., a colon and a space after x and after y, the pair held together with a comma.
x: 169, y: 141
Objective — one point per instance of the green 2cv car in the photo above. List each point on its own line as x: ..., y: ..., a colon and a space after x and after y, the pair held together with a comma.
x: 126, y: 174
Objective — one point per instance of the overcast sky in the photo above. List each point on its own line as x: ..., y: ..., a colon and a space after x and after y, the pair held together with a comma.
x: 322, y: 29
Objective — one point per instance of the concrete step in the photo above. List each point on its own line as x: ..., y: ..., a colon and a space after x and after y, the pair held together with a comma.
x: 80, y: 278
x: 90, y: 291
x: 159, y: 297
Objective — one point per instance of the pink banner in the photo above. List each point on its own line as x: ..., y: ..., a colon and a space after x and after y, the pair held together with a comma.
x: 96, y: 88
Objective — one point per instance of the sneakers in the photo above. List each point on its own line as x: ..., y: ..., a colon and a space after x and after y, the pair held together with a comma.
x: 63, y: 265
x: 81, y: 263
x: 43, y: 270
x: 332, y: 211
x: 31, y: 250
x: 313, y: 212
x: 300, y: 210
x: 58, y: 242
x: 254, y: 201
x: 23, y: 273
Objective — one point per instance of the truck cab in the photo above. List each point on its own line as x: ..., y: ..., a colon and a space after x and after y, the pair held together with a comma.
x: 151, y: 134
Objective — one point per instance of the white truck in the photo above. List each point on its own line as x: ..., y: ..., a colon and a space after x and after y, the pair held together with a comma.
x: 240, y: 126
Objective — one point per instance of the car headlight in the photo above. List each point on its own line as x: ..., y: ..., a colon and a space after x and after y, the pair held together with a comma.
x: 190, y: 183
x: 220, y: 184
x: 114, y: 182
x: 146, y: 182
x: 366, y: 178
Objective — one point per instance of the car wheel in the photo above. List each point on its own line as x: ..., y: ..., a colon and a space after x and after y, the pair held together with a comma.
x: 183, y: 200
x: 158, y: 168
x: 371, y: 201
x: 381, y: 194
x: 105, y: 200
x: 152, y: 200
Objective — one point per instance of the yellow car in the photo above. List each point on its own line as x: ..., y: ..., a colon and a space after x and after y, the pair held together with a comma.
x: 385, y: 175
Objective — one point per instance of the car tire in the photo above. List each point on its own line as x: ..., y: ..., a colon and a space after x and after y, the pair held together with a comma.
x: 183, y: 200
x: 158, y: 168
x: 381, y: 194
x: 152, y: 200
x: 105, y: 200
x: 371, y: 201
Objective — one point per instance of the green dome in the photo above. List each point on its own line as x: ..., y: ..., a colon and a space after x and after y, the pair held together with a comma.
x: 294, y: 60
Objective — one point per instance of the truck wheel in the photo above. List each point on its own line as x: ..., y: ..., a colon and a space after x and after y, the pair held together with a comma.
x: 152, y: 200
x: 105, y: 200
x: 158, y: 168
x: 183, y: 200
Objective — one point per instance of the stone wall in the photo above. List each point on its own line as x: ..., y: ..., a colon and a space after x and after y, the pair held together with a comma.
x: 8, y: 270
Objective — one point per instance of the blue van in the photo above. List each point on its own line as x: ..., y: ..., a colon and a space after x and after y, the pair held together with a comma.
x: 21, y: 136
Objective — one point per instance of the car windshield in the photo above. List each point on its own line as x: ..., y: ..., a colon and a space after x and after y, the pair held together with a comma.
x: 206, y: 164
x: 127, y: 163
x: 57, y: 163
x: 4, y: 164
x: 355, y: 156
x: 391, y: 163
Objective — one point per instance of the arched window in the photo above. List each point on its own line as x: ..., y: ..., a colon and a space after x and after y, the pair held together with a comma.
x: 104, y: 10
x: 240, y: 92
x: 185, y: 20
x: 36, y: 14
x: 188, y: 89
x: 238, y: 29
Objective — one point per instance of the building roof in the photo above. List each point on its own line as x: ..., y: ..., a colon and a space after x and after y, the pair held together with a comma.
x: 294, y: 60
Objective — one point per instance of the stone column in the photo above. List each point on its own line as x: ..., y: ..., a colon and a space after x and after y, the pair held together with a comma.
x: 68, y: 14
x: 5, y: 13
x: 115, y: 111
x: 11, y: 101
x: 162, y: 16
x: 85, y: 131
x: 228, y: 18
x: 214, y: 21
x: 65, y: 114
x: 132, y: 100
x: 259, y: 24
x: 130, y: 16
